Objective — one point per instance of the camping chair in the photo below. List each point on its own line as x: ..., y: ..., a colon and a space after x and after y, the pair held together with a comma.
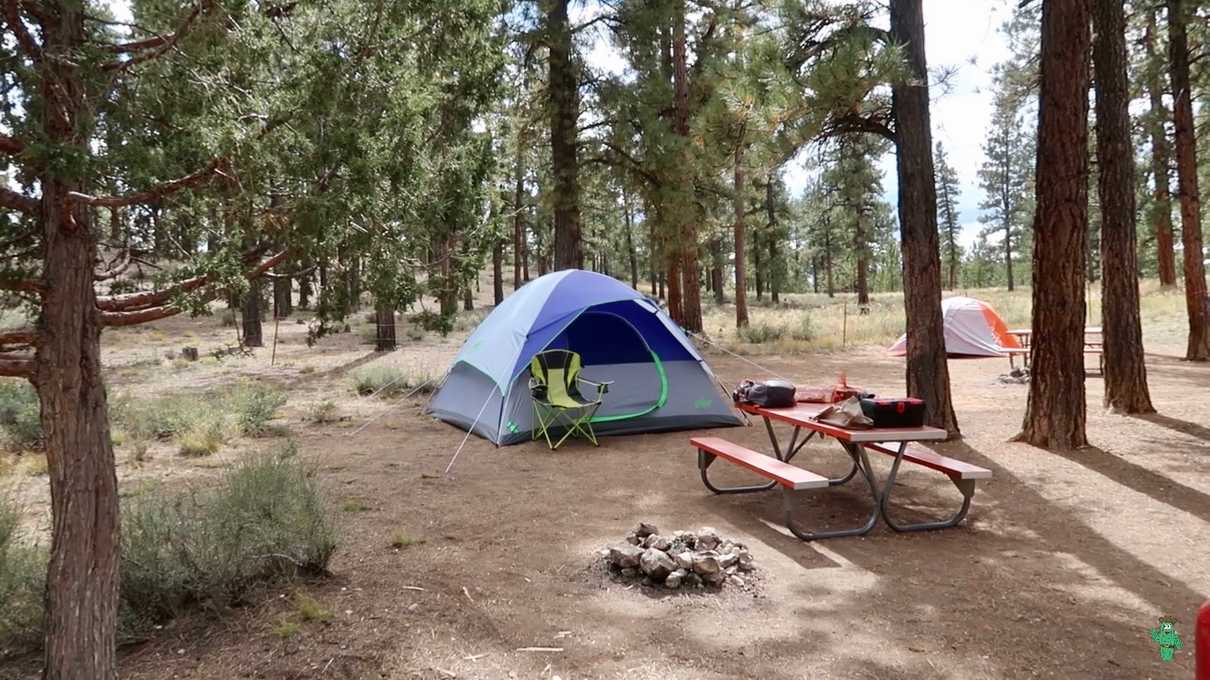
x: 555, y: 386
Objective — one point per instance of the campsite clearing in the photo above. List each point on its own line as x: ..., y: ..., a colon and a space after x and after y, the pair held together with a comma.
x: 1062, y: 565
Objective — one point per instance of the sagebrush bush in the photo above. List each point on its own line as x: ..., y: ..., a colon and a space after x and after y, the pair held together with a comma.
x: 20, y: 415
x: 22, y: 583
x: 254, y: 406
x: 324, y: 412
x: 266, y: 522
x: 760, y: 333
x: 391, y: 381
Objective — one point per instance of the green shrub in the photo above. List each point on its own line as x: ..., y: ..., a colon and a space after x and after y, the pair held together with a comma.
x: 202, y: 438
x: 265, y: 523
x: 760, y: 333
x: 432, y: 321
x: 254, y: 406
x: 324, y: 412
x: 22, y: 583
x: 20, y: 415
x: 804, y: 329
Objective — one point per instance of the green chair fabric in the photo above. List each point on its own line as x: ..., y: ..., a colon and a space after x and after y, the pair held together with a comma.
x: 558, y: 403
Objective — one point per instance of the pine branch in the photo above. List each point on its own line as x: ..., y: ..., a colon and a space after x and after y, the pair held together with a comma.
x: 16, y: 368
x: 11, y: 145
x: 20, y: 202
x: 133, y: 301
x: 28, y: 45
x: 152, y: 48
x: 154, y: 193
x: 164, y: 311
x: 19, y: 336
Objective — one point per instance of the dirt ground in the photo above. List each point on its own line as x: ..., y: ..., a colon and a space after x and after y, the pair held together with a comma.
x: 1062, y: 567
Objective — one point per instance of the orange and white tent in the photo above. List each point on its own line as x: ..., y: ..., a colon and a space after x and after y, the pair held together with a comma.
x: 972, y: 329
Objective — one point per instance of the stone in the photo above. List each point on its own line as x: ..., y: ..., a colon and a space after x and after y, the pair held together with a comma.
x: 658, y: 542
x: 643, y: 530
x: 633, y: 539
x: 707, y: 539
x: 715, y: 579
x: 704, y: 564
x: 675, y: 579
x: 625, y: 556
x: 745, y: 560
x: 190, y: 353
x: 730, y: 571
x: 684, y: 560
x: 738, y: 581
x: 656, y: 564
x: 692, y: 580
x: 728, y: 559
x: 630, y: 572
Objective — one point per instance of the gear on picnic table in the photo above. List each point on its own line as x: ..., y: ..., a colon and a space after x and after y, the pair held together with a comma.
x: 847, y: 414
x: 767, y: 394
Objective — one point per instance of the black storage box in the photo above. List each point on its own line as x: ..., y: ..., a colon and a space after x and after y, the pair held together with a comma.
x: 905, y: 412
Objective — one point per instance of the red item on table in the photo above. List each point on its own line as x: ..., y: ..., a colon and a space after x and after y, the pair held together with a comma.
x: 843, y: 390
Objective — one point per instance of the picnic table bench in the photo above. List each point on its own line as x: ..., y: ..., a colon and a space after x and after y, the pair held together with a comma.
x: 894, y: 442
x: 1093, y: 345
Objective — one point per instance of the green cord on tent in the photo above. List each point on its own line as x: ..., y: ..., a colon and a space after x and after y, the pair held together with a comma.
x: 659, y: 367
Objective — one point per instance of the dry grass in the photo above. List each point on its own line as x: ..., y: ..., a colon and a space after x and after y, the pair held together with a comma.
x: 809, y: 322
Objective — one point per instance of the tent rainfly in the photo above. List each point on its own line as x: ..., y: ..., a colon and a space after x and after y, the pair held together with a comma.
x: 660, y: 380
x: 972, y: 329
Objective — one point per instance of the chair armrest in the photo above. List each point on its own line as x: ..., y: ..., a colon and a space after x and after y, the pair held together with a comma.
x: 602, y: 387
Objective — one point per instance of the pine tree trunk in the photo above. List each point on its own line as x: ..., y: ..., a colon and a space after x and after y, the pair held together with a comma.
x: 468, y: 299
x: 384, y: 336
x: 741, y: 257
x: 673, y: 280
x: 447, y: 291
x: 498, y: 272
x: 770, y: 210
x: 861, y: 282
x: 715, y: 282
x: 518, y: 213
x: 563, y: 86
x: 827, y: 254
x: 325, y: 293
x: 1165, y: 252
x: 1186, y: 173
x: 250, y: 310
x: 758, y: 265
x: 1056, y: 412
x: 1125, y: 369
x: 631, y: 253
x: 282, y: 297
x: 82, y: 576
x: 690, y: 293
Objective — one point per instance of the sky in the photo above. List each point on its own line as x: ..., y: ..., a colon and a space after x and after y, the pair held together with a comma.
x: 959, y: 34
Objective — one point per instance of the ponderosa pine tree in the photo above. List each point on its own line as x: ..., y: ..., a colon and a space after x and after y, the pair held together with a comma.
x: 1004, y: 175
x: 948, y: 193
x: 1125, y: 368
x: 927, y: 367
x: 1056, y: 412
x: 563, y: 85
x: 1196, y: 301
x: 1161, y: 154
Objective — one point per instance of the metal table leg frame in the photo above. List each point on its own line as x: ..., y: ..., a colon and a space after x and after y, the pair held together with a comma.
x: 860, y: 462
x: 704, y: 459
x: 965, y: 486
x: 796, y: 446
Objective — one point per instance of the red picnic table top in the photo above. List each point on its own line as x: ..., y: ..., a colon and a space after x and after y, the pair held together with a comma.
x: 802, y: 415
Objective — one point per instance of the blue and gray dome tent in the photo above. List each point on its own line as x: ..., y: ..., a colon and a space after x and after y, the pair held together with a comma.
x: 660, y: 380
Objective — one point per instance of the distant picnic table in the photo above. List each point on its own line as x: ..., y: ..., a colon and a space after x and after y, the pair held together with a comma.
x: 1094, y: 344
x: 894, y: 442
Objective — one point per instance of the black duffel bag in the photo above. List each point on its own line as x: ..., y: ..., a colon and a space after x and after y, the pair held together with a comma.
x: 768, y: 394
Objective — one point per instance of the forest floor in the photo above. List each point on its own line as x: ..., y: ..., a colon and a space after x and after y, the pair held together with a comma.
x: 1062, y: 567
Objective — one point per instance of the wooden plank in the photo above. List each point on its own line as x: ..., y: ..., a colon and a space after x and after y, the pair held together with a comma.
x: 803, y: 414
x: 785, y: 474
x: 935, y: 461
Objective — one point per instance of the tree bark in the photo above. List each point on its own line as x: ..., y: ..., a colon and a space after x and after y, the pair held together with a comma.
x: 631, y: 253
x: 304, y: 290
x: 691, y: 289
x: 1124, y: 365
x: 384, y: 336
x: 1186, y: 172
x: 468, y: 299
x: 82, y: 576
x: 774, y: 284
x: 715, y: 282
x: 927, y: 368
x: 282, y: 301
x: 519, y: 213
x: 1056, y: 412
x: 741, y: 256
x: 1161, y: 153
x: 498, y: 272
x: 563, y: 86
x: 861, y: 281
x: 250, y: 310
x: 758, y: 265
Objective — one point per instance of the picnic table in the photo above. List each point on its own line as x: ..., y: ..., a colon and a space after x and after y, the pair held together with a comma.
x: 856, y: 444
x: 1094, y: 344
